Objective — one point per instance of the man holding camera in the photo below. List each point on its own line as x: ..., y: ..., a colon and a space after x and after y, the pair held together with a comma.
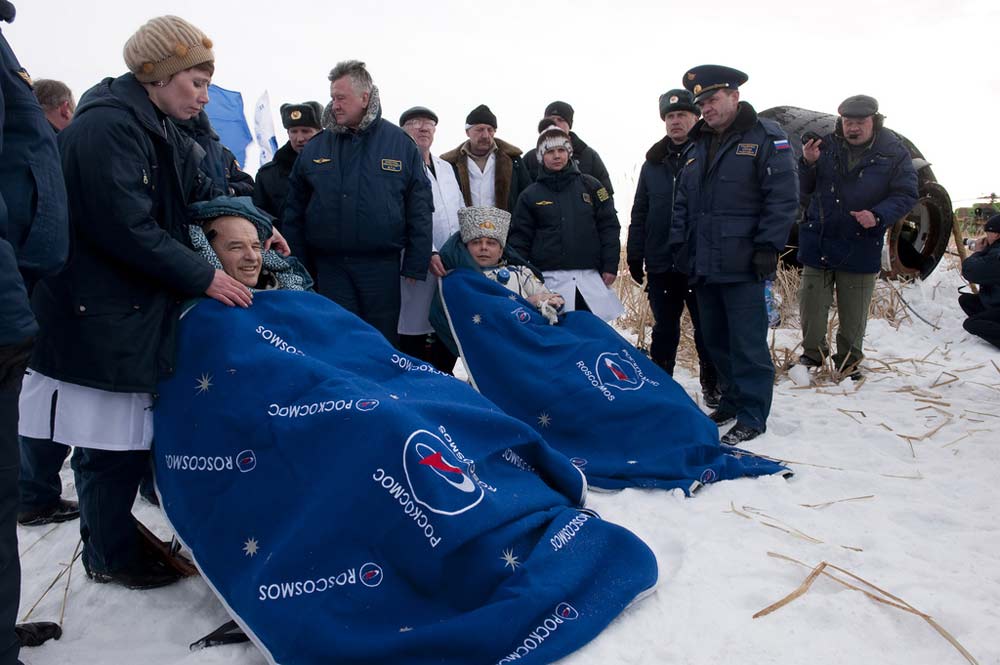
x: 861, y: 181
x: 983, y: 268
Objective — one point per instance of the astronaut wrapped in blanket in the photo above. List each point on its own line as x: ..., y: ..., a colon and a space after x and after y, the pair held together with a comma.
x: 481, y: 242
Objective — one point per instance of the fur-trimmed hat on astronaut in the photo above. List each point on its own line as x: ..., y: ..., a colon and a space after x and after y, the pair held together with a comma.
x: 483, y: 222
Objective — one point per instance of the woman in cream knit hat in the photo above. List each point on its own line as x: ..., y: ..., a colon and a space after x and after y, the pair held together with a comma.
x: 107, y: 321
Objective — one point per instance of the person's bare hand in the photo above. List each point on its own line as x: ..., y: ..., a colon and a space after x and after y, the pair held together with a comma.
x: 810, y: 150
x: 278, y: 243
x: 437, y: 267
x: 228, y: 291
x: 609, y: 278
x: 981, y: 244
x: 865, y: 218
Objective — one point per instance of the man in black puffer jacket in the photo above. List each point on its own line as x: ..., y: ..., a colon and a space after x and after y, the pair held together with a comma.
x: 586, y: 158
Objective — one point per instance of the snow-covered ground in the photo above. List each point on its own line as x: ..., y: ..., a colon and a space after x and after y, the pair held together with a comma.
x: 915, y: 448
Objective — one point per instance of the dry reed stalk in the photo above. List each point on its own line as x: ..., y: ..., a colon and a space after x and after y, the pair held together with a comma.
x: 931, y: 401
x: 938, y: 382
x: 980, y: 413
x: 749, y: 513
x: 881, y: 596
x: 62, y: 572
x: 964, y: 436
x: 21, y: 554
x: 827, y: 504
x: 69, y: 578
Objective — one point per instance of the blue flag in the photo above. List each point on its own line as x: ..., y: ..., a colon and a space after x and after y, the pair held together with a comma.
x: 592, y: 395
x: 225, y: 111
x: 350, y: 504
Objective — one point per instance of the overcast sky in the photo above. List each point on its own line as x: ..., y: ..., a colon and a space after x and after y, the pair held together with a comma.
x: 931, y: 64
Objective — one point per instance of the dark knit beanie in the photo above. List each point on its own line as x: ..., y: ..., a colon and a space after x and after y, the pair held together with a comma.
x: 164, y: 46
x: 481, y: 115
x: 561, y: 109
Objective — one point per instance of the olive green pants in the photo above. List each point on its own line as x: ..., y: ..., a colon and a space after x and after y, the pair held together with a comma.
x: 854, y: 296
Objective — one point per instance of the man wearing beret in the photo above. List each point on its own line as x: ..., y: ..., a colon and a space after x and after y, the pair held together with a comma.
x: 416, y: 334
x: 648, y: 236
x: 490, y: 172
x: 983, y: 268
x: 861, y: 181
x: 736, y: 201
x: 301, y: 121
x: 586, y: 158
x: 359, y: 206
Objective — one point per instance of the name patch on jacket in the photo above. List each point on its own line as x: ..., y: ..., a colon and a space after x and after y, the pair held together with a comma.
x: 586, y: 198
x: 543, y: 203
x: 602, y: 195
x: 782, y: 145
x: 747, y: 149
x: 322, y: 160
x: 393, y: 165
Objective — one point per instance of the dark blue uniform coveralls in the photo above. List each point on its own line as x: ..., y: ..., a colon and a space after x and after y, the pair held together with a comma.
x: 742, y: 198
x: 33, y: 243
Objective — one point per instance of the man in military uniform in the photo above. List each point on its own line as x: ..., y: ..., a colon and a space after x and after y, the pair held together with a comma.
x: 737, y: 199
x: 586, y: 158
x: 357, y: 198
x: 652, y: 210
x: 301, y: 121
x: 34, y: 243
x: 861, y: 182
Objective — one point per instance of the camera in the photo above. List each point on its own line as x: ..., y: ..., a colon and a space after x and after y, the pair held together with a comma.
x: 970, y: 243
x: 810, y: 136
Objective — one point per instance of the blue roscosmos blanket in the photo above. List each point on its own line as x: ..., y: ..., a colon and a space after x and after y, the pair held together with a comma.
x: 595, y: 398
x: 351, y: 505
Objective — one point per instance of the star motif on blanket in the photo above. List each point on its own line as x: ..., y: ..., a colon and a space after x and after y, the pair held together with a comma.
x: 477, y: 319
x: 510, y: 560
x: 204, y: 383
x: 544, y: 420
x: 250, y: 547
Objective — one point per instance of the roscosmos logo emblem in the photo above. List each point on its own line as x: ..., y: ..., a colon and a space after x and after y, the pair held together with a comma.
x: 438, y: 480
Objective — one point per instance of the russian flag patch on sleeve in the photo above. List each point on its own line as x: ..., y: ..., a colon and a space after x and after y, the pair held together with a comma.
x: 782, y: 145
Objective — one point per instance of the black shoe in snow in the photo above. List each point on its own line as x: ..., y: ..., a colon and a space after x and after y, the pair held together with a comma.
x: 740, y: 433
x: 808, y: 362
x: 61, y: 511
x: 712, y: 398
x: 37, y: 633
x: 149, y: 574
x: 722, y: 418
